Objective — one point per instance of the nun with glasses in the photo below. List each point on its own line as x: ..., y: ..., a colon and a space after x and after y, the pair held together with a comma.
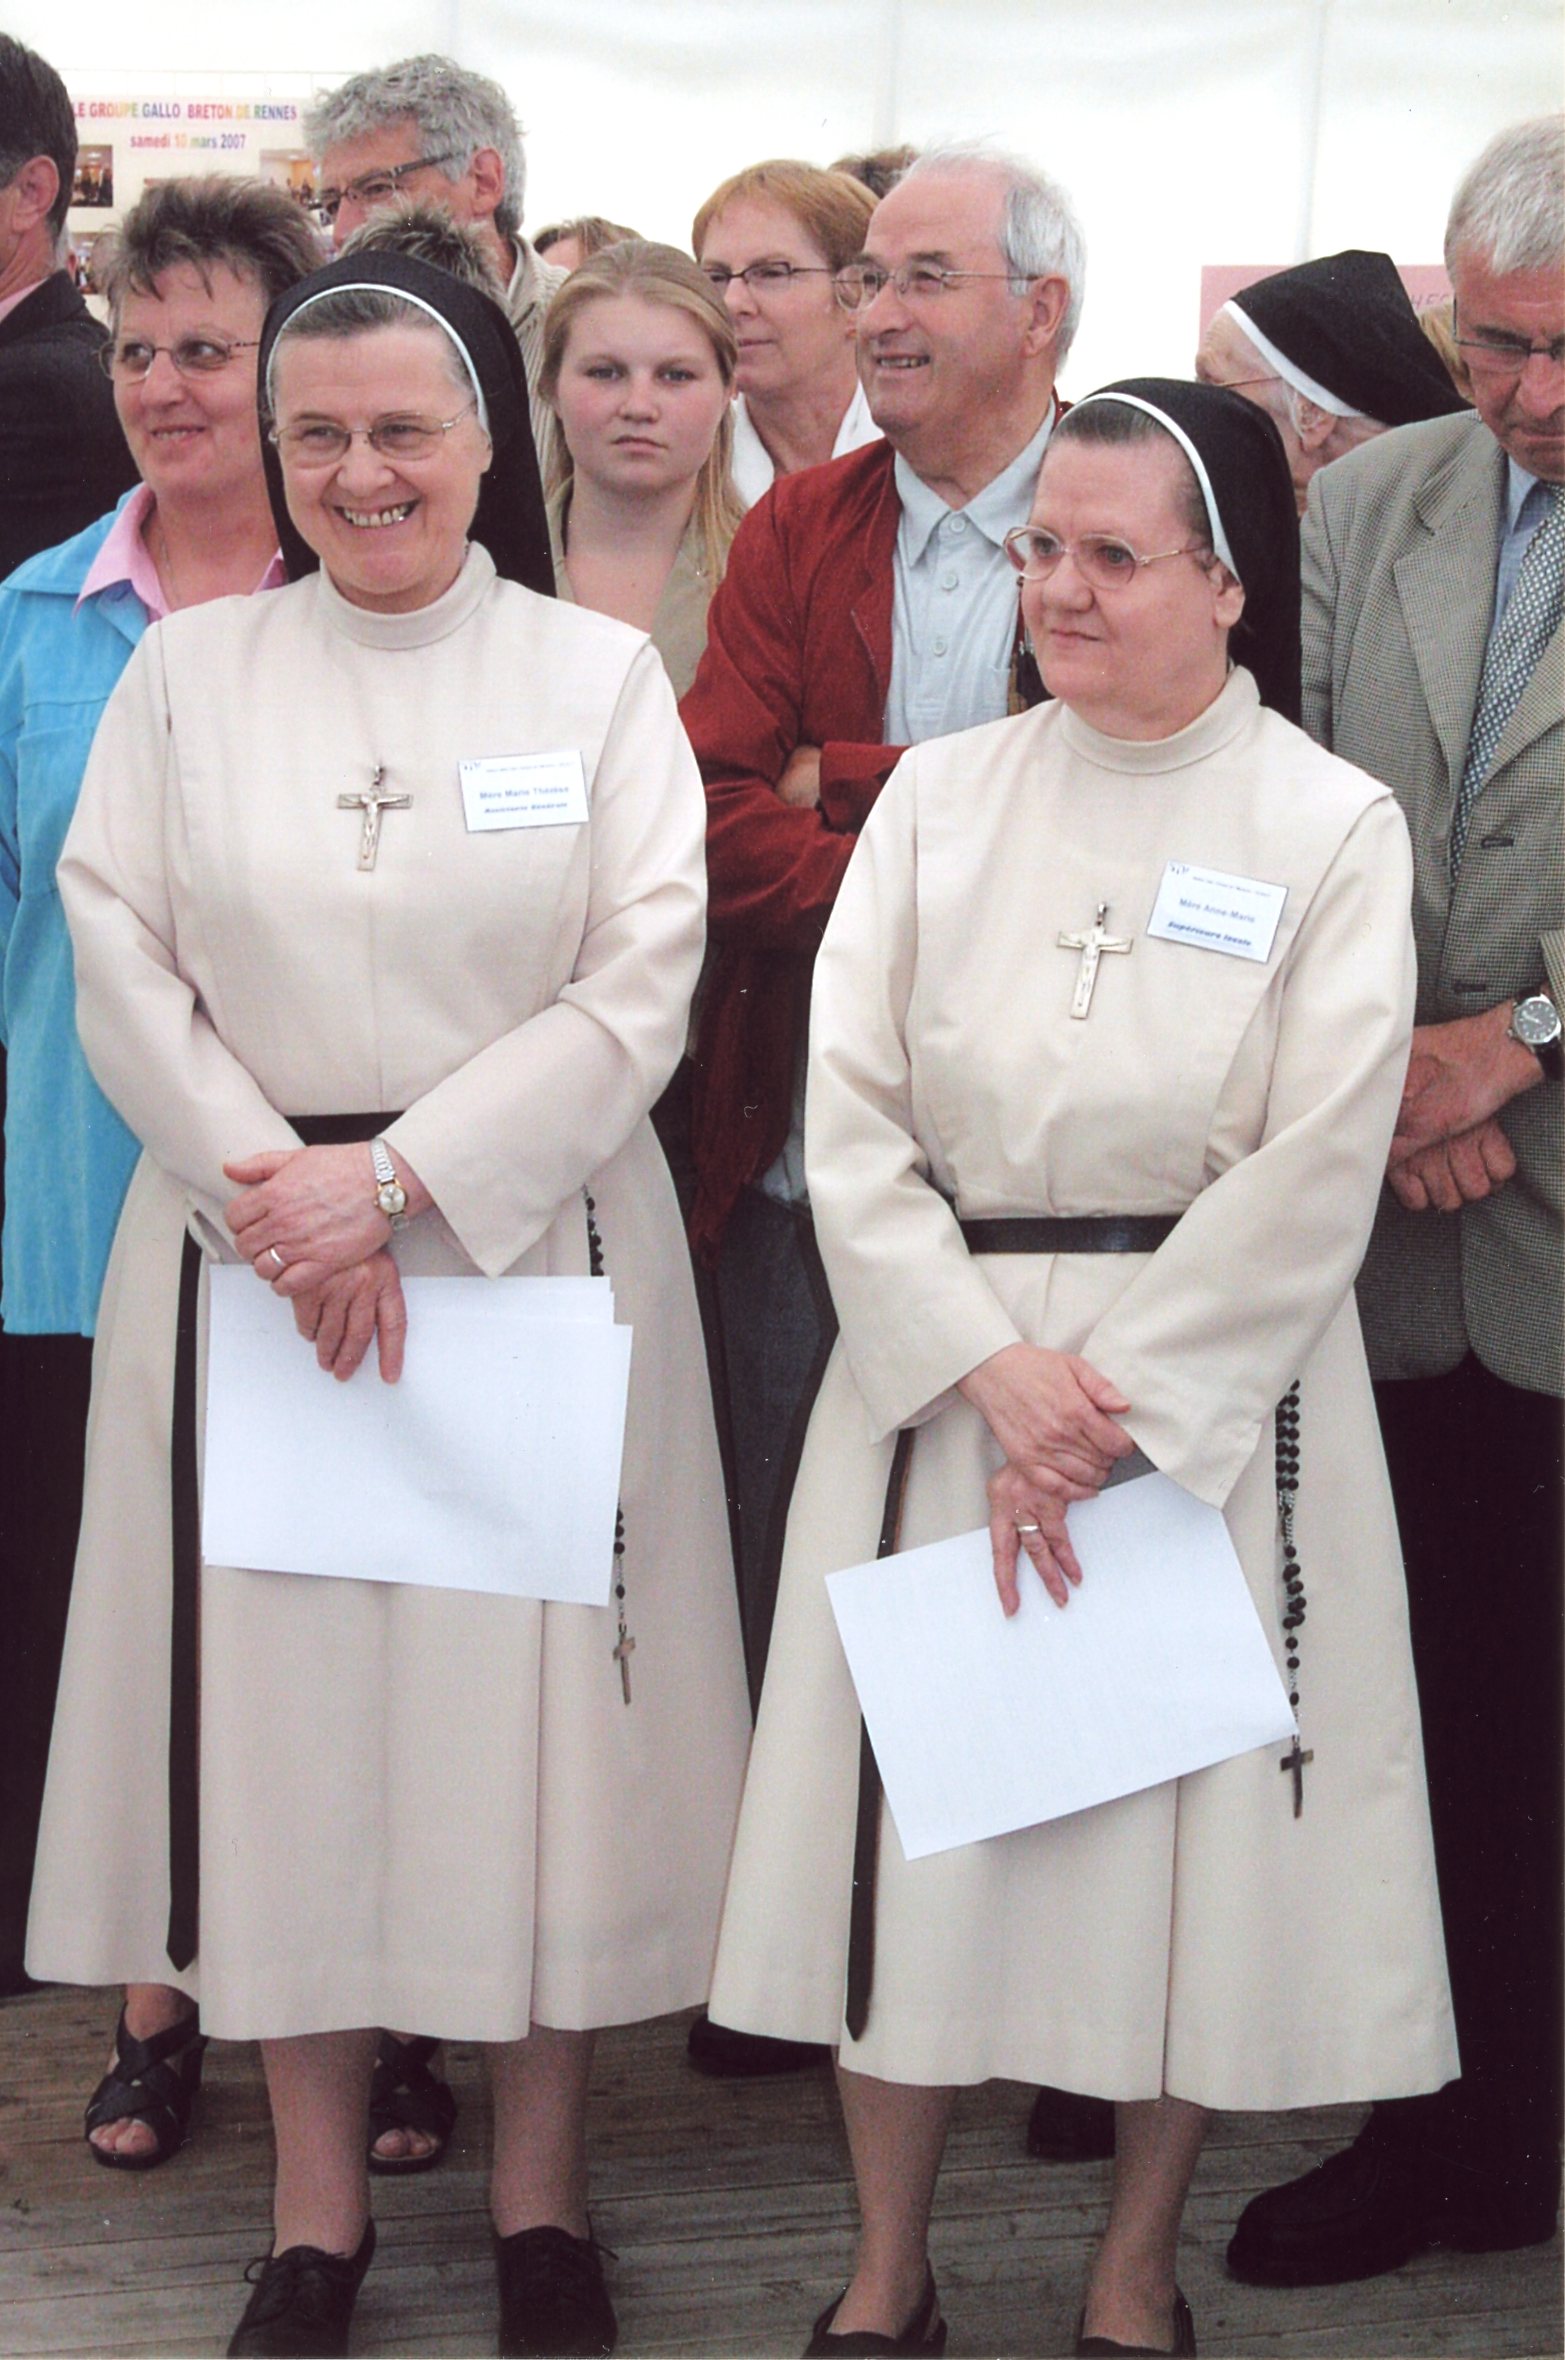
x: 1074, y: 1209
x: 362, y: 1039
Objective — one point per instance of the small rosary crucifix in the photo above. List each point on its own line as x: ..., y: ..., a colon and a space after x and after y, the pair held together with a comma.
x: 372, y: 803
x: 622, y: 1656
x: 1295, y: 1762
x: 1091, y: 944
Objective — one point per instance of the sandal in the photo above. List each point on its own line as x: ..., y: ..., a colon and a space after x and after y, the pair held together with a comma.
x: 145, y: 2084
x: 406, y: 2096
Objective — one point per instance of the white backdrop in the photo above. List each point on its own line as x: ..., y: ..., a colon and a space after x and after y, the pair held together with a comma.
x: 1188, y: 131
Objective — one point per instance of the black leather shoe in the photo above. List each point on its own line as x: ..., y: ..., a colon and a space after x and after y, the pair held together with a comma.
x: 726, y: 2055
x: 1372, y: 2208
x: 1103, y: 2347
x: 923, y: 2334
x: 303, y: 2303
x: 1065, y: 2127
x: 553, y: 2301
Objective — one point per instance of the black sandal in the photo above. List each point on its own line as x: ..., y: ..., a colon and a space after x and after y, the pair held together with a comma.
x: 406, y: 2096
x: 145, y: 2084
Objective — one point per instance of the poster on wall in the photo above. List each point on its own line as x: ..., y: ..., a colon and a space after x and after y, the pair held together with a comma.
x: 128, y: 144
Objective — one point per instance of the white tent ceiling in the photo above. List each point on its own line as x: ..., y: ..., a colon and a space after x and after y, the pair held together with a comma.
x: 1188, y: 131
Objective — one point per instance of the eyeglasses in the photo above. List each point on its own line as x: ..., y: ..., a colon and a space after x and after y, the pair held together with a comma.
x: 192, y: 356
x: 1507, y: 356
x: 372, y: 188
x: 316, y: 442
x: 766, y: 278
x: 916, y: 282
x: 1102, y: 560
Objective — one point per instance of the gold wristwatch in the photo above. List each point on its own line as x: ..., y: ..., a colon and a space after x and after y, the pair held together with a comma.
x: 390, y: 1195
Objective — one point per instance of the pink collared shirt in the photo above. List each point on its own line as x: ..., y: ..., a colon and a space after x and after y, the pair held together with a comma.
x: 125, y: 557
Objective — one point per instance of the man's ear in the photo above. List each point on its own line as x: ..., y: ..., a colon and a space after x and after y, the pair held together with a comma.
x: 487, y: 173
x: 1312, y: 424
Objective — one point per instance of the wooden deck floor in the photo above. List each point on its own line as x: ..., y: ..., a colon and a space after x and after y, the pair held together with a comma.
x: 729, y: 2206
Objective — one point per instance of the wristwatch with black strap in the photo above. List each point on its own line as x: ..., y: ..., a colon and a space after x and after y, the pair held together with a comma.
x: 1535, y: 1024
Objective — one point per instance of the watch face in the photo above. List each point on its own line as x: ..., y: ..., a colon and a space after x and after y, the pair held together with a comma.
x: 1536, y: 1022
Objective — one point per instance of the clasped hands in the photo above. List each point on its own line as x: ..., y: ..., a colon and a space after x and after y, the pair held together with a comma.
x: 1054, y: 1416
x: 1448, y: 1149
x: 306, y: 1221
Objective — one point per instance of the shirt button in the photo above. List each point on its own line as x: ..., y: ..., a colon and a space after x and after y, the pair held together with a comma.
x: 940, y: 647
x: 958, y: 524
x: 949, y: 581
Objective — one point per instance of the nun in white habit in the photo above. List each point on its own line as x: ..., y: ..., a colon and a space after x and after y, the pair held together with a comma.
x: 1264, y: 1933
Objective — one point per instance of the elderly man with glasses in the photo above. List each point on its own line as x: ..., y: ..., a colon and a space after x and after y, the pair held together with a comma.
x: 1432, y: 658
x: 427, y: 130
x: 868, y: 603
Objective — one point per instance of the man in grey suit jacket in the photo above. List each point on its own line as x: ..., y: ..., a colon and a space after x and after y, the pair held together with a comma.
x: 1433, y: 658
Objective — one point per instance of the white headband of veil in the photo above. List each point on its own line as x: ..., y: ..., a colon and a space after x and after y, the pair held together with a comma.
x: 1290, y: 371
x: 1133, y: 401
x: 401, y: 295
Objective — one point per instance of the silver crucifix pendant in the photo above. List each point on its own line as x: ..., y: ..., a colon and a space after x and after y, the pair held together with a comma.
x: 372, y: 803
x: 1091, y: 944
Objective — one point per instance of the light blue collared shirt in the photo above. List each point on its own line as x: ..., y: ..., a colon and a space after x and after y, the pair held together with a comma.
x: 953, y: 625
x: 1526, y: 506
x: 953, y: 600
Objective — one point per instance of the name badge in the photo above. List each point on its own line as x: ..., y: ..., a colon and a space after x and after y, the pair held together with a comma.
x: 524, y: 791
x: 1214, y: 912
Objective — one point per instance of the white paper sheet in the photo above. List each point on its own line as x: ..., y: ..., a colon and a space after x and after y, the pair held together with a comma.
x: 1158, y: 1666
x: 492, y: 1464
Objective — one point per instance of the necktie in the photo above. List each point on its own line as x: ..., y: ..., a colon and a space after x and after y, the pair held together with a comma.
x: 1531, y: 618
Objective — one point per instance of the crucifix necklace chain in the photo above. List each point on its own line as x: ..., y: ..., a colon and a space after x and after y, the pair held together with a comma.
x: 372, y: 802
x: 1092, y: 943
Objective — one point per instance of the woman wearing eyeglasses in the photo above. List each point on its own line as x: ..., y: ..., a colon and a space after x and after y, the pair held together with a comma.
x: 771, y: 240
x: 1009, y: 1044
x: 368, y: 1023
x: 188, y: 279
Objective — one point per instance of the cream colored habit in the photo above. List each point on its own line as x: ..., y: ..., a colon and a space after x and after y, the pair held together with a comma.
x: 418, y: 1807
x: 1196, y: 1937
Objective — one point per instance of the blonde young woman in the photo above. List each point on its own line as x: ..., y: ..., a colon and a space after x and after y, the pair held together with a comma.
x: 639, y: 359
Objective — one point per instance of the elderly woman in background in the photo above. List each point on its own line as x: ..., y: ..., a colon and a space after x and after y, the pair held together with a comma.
x: 771, y: 240
x: 478, y: 1813
x: 981, y: 1096
x: 188, y: 277
x: 638, y: 361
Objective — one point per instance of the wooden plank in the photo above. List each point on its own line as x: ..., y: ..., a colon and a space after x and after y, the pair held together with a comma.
x: 729, y: 2205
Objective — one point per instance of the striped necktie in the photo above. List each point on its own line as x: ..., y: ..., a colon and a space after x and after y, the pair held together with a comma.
x: 1531, y: 618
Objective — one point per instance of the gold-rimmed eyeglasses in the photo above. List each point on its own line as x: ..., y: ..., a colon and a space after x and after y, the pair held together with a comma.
x: 320, y: 442
x: 857, y: 286
x: 1101, y: 559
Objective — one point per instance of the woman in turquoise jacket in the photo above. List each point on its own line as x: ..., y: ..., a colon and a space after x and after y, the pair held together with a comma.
x: 195, y: 266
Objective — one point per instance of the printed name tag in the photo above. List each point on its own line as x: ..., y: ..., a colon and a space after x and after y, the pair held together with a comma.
x: 1235, y: 915
x: 524, y: 791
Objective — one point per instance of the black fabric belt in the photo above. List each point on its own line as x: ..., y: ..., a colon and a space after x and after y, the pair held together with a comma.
x: 184, y: 1733
x: 1073, y: 1233
x: 1079, y: 1233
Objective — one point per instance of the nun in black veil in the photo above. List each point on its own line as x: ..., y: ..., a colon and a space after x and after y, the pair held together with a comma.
x: 297, y: 892
x: 1092, y: 1179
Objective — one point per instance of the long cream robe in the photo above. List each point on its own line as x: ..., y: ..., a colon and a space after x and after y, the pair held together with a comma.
x: 417, y: 1807
x: 1196, y: 1937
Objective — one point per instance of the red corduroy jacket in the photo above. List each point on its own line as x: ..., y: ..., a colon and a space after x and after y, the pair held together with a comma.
x: 798, y: 654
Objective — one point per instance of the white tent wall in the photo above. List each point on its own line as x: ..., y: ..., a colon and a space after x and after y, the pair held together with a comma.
x: 1188, y: 131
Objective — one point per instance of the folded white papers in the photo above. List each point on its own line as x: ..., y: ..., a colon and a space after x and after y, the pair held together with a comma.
x: 492, y: 1464
x: 1157, y: 1666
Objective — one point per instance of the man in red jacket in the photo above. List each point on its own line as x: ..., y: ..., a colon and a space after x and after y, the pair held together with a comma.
x: 867, y: 604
